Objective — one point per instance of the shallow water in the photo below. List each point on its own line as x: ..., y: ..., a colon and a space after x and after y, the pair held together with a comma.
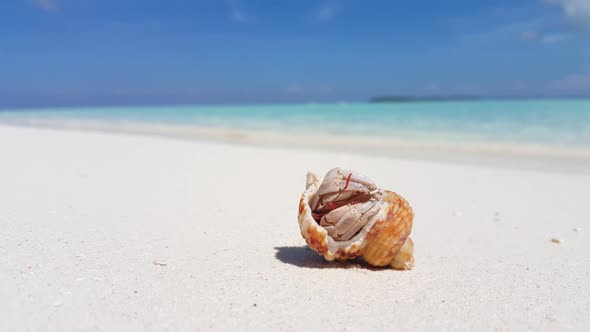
x: 554, y: 124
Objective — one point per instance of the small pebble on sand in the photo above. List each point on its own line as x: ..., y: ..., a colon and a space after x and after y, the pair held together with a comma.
x: 496, y: 216
x: 160, y: 263
x: 555, y: 240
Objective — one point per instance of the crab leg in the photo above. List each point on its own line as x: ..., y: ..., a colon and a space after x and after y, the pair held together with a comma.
x: 344, y: 222
x: 341, y: 187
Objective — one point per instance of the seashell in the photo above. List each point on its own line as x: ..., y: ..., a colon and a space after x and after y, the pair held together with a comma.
x: 345, y: 216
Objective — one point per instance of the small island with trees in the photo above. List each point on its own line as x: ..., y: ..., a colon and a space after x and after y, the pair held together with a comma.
x: 410, y: 99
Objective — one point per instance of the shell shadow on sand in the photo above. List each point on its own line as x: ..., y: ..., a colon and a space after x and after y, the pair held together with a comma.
x: 307, y: 258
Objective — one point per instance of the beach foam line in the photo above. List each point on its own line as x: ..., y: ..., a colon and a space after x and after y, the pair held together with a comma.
x: 480, y: 152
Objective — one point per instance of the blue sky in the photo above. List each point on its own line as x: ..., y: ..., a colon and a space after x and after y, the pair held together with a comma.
x: 94, y: 52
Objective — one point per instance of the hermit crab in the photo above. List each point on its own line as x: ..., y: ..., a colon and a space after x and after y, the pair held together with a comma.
x: 345, y: 216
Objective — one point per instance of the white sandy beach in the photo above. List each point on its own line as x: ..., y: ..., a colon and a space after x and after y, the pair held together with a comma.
x: 83, y: 216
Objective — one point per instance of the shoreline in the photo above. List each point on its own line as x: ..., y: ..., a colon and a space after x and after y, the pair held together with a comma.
x: 540, y: 157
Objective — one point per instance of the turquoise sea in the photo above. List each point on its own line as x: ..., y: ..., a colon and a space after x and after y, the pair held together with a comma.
x: 556, y: 124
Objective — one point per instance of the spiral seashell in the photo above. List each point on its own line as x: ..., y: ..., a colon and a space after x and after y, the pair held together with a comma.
x: 345, y: 216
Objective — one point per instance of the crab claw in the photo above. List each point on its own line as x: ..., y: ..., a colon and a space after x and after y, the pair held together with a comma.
x: 341, y: 187
x: 344, y: 222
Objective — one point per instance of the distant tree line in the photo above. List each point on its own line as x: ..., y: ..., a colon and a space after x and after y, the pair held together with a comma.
x: 404, y: 99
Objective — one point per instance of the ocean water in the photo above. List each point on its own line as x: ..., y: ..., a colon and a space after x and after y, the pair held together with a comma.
x: 555, y: 124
